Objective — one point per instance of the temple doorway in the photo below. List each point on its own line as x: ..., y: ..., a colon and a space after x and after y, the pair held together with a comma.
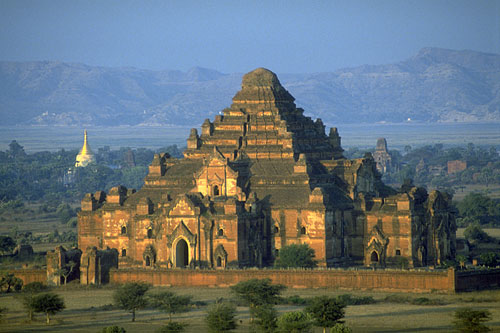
x: 374, y: 257
x: 181, y: 254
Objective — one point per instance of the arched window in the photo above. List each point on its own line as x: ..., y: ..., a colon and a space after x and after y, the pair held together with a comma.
x: 150, y: 233
x: 219, y: 262
x: 216, y: 190
x: 374, y: 257
x: 303, y: 230
x: 220, y: 232
x: 276, y: 229
x: 124, y: 252
x: 148, y: 261
x: 124, y: 230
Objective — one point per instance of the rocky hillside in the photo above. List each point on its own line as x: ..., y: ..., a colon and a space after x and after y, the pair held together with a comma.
x: 436, y: 85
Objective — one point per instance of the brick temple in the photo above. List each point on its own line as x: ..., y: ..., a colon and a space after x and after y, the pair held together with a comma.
x: 260, y: 176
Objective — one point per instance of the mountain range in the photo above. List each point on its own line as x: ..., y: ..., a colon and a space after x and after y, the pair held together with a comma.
x: 435, y: 85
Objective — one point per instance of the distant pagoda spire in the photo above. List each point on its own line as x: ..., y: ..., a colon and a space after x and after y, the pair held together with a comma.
x: 85, y: 156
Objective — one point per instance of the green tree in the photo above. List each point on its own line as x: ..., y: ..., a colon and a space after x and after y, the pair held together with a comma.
x: 469, y: 320
x: 474, y: 233
x: 48, y: 303
x: 257, y: 292
x: 461, y: 259
x: 66, y: 271
x: 489, y: 259
x: 294, y: 322
x: 28, y: 293
x: 171, y: 303
x: 265, y: 318
x: 7, y: 244
x: 131, y: 297
x: 10, y: 281
x: 113, y: 329
x: 221, y: 317
x: 296, y: 255
x: 65, y: 213
x: 326, y: 311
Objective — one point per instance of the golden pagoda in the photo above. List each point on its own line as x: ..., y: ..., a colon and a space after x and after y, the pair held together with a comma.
x: 85, y: 156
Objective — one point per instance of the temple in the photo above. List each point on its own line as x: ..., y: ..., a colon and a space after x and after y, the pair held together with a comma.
x: 258, y: 177
x: 85, y: 156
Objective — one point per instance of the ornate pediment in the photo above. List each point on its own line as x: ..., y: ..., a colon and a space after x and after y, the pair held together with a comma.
x: 183, y: 206
x: 377, y: 240
x: 181, y: 230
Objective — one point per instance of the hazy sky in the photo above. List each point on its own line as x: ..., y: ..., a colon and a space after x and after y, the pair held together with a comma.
x: 238, y: 36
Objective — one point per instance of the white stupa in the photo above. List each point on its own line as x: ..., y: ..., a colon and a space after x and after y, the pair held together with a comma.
x: 85, y: 156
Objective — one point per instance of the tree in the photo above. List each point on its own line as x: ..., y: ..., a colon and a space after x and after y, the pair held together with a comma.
x: 266, y: 317
x: 468, y: 320
x: 49, y: 303
x: 257, y: 292
x: 474, y: 233
x: 489, y: 259
x: 296, y: 255
x: 10, y: 281
x: 131, y: 297
x: 295, y: 322
x: 29, y: 292
x: 66, y: 271
x: 171, y: 303
x: 461, y: 259
x: 7, y: 244
x: 326, y: 311
x: 221, y: 317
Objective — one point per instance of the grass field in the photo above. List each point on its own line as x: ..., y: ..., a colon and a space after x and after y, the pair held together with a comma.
x: 492, y: 191
x: 86, y: 311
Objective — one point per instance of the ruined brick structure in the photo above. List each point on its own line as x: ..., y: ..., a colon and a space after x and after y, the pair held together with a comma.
x: 260, y: 176
x: 382, y: 156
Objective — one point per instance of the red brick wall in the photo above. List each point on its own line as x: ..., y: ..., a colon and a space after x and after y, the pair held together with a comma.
x: 475, y: 280
x: 31, y: 275
x: 395, y: 280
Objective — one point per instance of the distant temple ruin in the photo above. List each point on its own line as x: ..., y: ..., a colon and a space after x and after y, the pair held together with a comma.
x: 382, y: 157
x: 258, y: 177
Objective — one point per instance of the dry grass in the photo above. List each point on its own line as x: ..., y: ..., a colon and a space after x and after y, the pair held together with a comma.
x: 86, y: 311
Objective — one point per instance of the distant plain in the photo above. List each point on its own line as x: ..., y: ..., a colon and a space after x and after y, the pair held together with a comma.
x: 53, y: 138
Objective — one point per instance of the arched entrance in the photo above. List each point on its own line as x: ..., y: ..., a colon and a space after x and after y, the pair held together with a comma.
x: 181, y: 254
x: 374, y: 257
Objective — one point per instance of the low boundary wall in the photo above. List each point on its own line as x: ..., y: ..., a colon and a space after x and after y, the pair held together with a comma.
x: 387, y: 280
x: 31, y: 275
x: 477, y: 280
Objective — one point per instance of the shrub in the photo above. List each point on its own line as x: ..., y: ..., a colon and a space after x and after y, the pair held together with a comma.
x: 468, y: 320
x: 113, y: 329
x: 295, y: 322
x: 296, y: 256
x: 295, y: 300
x: 348, y: 299
x: 221, y: 317
x: 172, y: 327
x: 340, y: 328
